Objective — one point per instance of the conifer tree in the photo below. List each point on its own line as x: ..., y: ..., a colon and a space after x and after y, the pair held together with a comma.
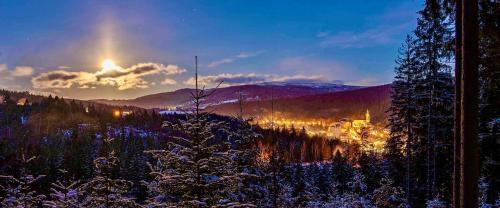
x: 434, y: 101
x: 401, y: 120
x: 388, y: 195
x: 247, y: 180
x: 196, y: 163
x: 64, y: 193
x: 20, y: 191
x: 489, y: 102
x: 104, y: 190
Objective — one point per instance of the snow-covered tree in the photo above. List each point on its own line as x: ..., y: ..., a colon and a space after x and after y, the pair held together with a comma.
x: 436, y: 203
x: 401, y: 120
x: 301, y: 194
x: 196, y: 167
x: 19, y: 191
x: 388, y: 195
x: 434, y: 97
x: 245, y: 185
x: 64, y: 193
x: 105, y: 190
x: 357, y: 184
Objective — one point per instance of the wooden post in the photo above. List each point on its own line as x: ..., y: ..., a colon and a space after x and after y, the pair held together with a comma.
x: 469, y: 108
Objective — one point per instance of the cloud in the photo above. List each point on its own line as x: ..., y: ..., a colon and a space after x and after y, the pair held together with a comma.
x: 63, y: 79
x: 380, y: 35
x: 121, y: 78
x: 229, y: 79
x: 300, y: 79
x: 322, y: 34
x: 252, y: 78
x: 168, y: 81
x: 382, y: 29
x: 18, y: 71
x: 233, y: 58
x: 22, y: 71
x: 365, y: 82
x: 3, y: 67
x: 220, y: 62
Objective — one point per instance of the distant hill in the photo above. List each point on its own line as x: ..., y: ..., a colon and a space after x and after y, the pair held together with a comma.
x: 182, y: 97
x: 333, y: 105
x: 32, y: 98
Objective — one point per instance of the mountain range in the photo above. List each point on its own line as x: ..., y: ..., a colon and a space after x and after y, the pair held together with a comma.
x: 290, y: 100
x: 265, y: 91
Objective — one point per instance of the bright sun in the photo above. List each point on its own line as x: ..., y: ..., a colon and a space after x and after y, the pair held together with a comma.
x: 108, y: 65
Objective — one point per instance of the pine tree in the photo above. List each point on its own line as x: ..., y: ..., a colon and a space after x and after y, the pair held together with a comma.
x: 247, y: 180
x: 434, y: 99
x: 196, y: 163
x: 388, y: 195
x: 19, y: 191
x: 64, y: 193
x: 341, y: 172
x: 489, y: 103
x: 301, y: 193
x: 324, y: 183
x: 401, y: 120
x: 103, y: 190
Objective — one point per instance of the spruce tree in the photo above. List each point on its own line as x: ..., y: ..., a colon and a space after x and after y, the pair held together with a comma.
x: 434, y: 102
x: 402, y: 110
x: 196, y: 167
x: 20, y: 191
x: 246, y: 182
x: 489, y: 102
x: 104, y: 189
x: 64, y: 193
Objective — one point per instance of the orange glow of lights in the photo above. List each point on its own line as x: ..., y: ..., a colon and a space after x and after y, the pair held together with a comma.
x: 117, y: 113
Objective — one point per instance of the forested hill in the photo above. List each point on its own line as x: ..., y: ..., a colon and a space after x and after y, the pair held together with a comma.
x: 182, y: 97
x: 335, y: 105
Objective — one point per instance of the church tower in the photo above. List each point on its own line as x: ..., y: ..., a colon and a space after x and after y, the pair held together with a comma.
x: 367, y: 116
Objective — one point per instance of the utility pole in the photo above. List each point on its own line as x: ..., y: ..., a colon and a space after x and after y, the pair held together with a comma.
x: 469, y: 108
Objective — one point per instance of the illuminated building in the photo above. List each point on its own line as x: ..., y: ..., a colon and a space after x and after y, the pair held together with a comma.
x: 116, y: 113
x: 22, y: 101
x: 363, y: 132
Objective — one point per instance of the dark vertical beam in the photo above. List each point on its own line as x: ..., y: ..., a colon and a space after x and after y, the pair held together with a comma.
x: 469, y: 109
x: 458, y: 92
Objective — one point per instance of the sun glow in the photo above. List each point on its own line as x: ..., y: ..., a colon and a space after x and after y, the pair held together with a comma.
x: 108, y: 65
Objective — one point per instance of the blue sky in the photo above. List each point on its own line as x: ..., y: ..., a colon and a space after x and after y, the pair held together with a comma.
x: 59, y: 46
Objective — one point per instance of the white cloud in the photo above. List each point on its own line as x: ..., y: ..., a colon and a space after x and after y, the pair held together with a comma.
x: 299, y: 79
x: 240, y: 79
x: 380, y: 35
x: 121, y: 78
x: 18, y: 71
x: 227, y: 78
x: 22, y: 71
x: 220, y: 62
x: 168, y: 81
x: 381, y: 29
x: 366, y: 82
x: 63, y: 79
x: 322, y: 34
x: 3, y: 67
x: 232, y: 59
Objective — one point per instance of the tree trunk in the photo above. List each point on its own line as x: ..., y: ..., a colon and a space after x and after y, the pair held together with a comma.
x: 458, y: 76
x: 469, y: 109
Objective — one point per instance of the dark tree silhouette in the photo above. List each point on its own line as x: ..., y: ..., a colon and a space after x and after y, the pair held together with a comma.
x: 469, y: 109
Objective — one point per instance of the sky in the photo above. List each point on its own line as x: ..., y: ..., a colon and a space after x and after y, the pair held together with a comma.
x: 126, y: 49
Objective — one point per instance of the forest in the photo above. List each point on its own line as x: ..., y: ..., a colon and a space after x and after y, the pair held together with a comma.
x: 57, y: 152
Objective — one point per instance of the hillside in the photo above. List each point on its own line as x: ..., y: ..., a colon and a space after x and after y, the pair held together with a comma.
x: 182, y: 97
x: 335, y: 105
